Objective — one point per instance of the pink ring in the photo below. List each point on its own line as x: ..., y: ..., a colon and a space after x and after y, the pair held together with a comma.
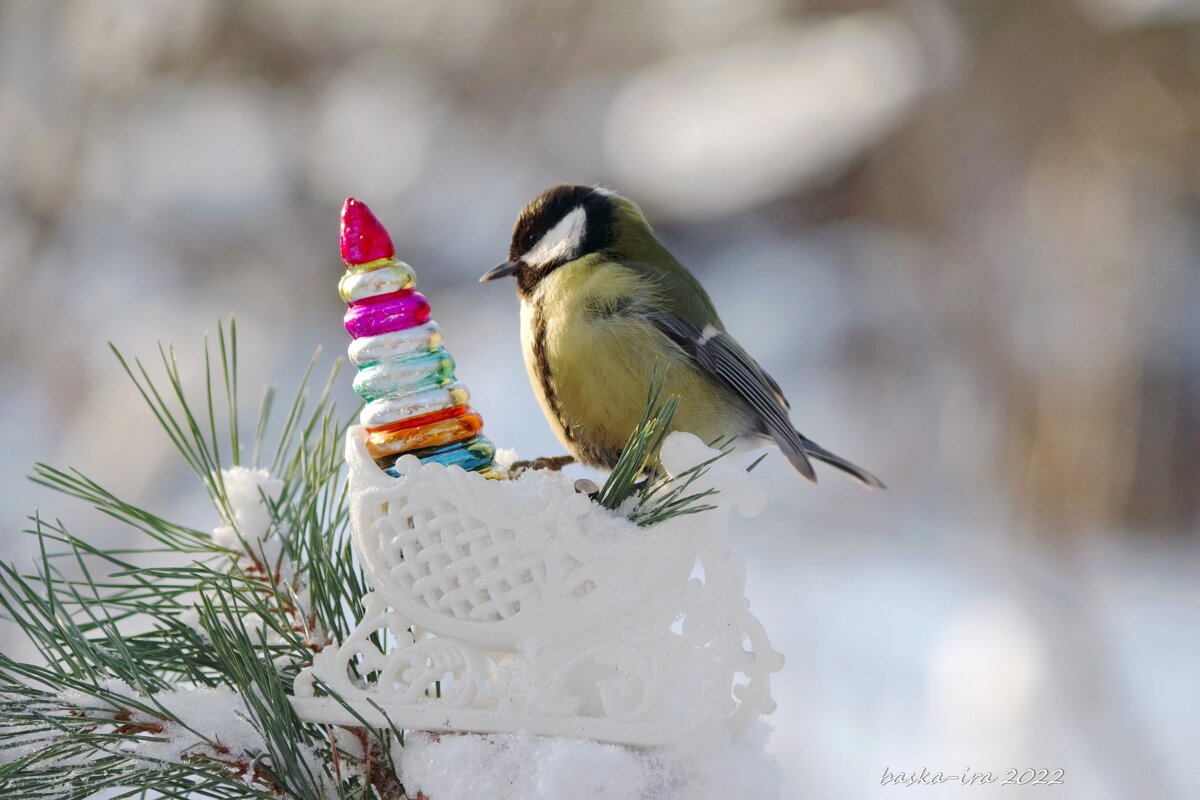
x: 396, y: 313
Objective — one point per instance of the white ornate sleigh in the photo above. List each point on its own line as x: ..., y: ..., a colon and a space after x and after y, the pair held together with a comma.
x: 504, y: 606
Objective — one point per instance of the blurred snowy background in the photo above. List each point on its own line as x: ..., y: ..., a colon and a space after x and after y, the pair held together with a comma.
x: 964, y: 236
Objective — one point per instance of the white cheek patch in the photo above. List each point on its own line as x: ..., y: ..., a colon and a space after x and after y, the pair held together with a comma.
x: 561, y: 241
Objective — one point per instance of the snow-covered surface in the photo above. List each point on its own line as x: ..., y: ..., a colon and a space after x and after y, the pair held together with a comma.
x: 189, y: 721
x: 523, y: 606
x: 207, y: 717
x: 527, y: 767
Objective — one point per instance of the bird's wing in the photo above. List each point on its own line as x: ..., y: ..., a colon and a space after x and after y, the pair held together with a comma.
x: 682, y: 296
x: 680, y: 307
x: 718, y: 354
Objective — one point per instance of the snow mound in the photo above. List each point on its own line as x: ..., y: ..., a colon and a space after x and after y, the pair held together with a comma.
x: 526, y: 767
x: 249, y: 491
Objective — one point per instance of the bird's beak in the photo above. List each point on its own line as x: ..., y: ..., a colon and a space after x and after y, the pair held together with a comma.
x: 501, y: 271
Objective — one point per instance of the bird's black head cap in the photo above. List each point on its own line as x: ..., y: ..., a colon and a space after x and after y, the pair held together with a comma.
x: 561, y: 224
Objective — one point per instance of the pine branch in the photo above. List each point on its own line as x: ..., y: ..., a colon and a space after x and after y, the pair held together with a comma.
x: 658, y: 496
x: 134, y: 660
x: 640, y: 453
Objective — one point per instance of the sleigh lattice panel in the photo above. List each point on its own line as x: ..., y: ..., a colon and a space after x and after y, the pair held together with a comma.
x: 453, y: 562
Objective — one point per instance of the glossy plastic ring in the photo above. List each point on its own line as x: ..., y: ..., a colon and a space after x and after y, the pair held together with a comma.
x: 396, y: 313
x: 394, y: 276
x: 417, y: 420
x: 424, y: 437
x: 404, y: 375
x: 472, y: 455
x: 394, y: 408
x: 397, y: 344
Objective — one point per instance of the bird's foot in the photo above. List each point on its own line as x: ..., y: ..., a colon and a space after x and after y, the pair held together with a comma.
x: 552, y: 463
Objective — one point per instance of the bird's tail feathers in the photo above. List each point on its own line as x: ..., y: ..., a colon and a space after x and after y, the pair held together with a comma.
x: 797, y: 453
x: 832, y: 459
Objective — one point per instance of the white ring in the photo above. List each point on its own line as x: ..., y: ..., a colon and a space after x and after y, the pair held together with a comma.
x: 394, y: 408
x: 355, y: 286
x: 369, y: 349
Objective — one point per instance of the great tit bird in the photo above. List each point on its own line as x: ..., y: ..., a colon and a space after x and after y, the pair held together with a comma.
x: 605, y: 308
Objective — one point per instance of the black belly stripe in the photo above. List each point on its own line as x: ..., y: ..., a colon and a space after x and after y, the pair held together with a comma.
x: 543, y: 368
x: 585, y: 451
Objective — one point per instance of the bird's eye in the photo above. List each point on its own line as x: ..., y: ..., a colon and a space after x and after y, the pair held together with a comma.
x: 524, y: 238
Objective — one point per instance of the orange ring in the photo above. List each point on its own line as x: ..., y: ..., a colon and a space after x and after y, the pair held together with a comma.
x: 382, y: 443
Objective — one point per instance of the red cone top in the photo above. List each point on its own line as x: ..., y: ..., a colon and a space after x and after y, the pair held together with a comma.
x: 364, y: 239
